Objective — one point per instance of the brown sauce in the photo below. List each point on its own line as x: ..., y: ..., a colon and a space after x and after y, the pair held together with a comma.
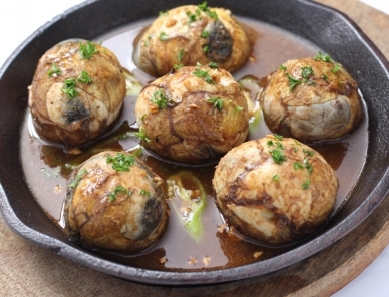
x: 47, y: 167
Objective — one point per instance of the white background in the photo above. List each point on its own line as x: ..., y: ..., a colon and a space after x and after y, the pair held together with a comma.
x: 20, y: 18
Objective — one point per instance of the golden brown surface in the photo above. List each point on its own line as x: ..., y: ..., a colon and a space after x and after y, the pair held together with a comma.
x: 281, y: 210
x: 28, y: 270
x: 173, y: 39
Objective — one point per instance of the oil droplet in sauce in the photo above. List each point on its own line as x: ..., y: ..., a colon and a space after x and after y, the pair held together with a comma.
x: 46, y: 167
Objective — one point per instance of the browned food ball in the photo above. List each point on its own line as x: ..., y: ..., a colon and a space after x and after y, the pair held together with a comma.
x: 115, y: 203
x: 275, y: 190
x: 193, y: 114
x: 311, y: 99
x: 76, y: 93
x: 189, y: 34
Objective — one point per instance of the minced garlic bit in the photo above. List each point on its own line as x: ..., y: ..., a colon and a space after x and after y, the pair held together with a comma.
x: 163, y: 260
x: 256, y: 255
x: 206, y: 260
x: 192, y: 260
x: 57, y: 188
x: 222, y: 228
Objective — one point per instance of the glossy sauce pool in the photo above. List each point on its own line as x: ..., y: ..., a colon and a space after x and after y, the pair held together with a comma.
x: 46, y: 167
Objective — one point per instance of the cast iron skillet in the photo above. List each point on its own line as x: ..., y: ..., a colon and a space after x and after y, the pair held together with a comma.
x: 327, y: 28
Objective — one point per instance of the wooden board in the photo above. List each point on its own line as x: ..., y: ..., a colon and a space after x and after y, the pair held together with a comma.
x: 28, y: 270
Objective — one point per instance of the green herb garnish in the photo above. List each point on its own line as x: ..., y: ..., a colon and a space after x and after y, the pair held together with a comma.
x: 204, y: 34
x: 144, y: 193
x: 159, y: 99
x: 213, y: 65
x: 238, y: 108
x: 276, y: 177
x: 164, y: 13
x: 278, y: 137
x: 119, y: 190
x: 336, y: 68
x: 192, y: 16
x: 278, y: 156
x: 79, y: 176
x: 306, y: 184
x: 163, y: 36
x: 206, y: 48
x: 54, y: 70
x: 298, y: 165
x: 308, y: 152
x: 69, y: 87
x: 204, y: 7
x: 204, y: 74
x: 283, y: 67
x: 121, y: 162
x: 323, y: 57
x: 142, y: 136
x: 84, y: 77
x: 87, y: 50
x: 180, y: 54
x: 306, y: 72
x: 269, y: 142
x: 217, y: 102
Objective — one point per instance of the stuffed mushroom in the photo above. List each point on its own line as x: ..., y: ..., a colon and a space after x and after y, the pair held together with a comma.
x: 76, y: 93
x: 193, y: 114
x: 190, y: 34
x: 275, y: 190
x: 311, y: 99
x: 115, y: 203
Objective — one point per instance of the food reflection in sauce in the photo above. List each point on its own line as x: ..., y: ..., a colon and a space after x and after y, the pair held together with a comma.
x: 46, y: 167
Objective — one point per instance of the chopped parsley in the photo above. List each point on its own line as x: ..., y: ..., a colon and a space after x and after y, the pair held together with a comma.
x: 308, y: 152
x: 79, y: 176
x: 204, y: 34
x: 54, y: 70
x: 306, y: 72
x: 144, y: 192
x: 306, y: 184
x: 84, y: 77
x: 217, y: 102
x: 298, y: 165
x: 159, y: 99
x: 163, y: 36
x: 87, y: 50
x: 204, y: 74
x: 213, y: 65
x: 238, y: 108
x: 69, y: 87
x: 323, y: 57
x: 278, y: 156
x: 121, y: 162
x: 276, y: 178
x: 278, y: 137
x: 336, y: 68
x: 180, y: 54
x: 193, y: 16
x: 206, y: 48
x: 142, y: 136
x: 308, y: 166
x: 283, y: 67
x: 269, y: 142
x: 164, y: 13
x: 325, y: 77
x: 204, y: 7
x: 119, y: 190
x: 280, y: 146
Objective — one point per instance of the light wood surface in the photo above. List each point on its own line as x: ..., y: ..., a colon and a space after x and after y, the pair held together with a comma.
x: 28, y: 270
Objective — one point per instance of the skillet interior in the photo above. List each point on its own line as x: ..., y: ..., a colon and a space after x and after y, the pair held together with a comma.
x: 327, y: 28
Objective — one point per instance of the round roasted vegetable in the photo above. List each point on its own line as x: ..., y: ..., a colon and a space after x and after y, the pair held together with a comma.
x: 76, y: 93
x: 189, y: 34
x: 115, y: 203
x: 311, y: 99
x: 193, y: 114
x: 275, y: 190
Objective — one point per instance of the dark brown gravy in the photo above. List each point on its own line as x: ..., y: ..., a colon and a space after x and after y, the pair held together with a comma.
x: 47, y: 167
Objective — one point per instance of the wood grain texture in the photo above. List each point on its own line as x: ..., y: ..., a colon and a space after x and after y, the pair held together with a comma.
x: 28, y: 270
